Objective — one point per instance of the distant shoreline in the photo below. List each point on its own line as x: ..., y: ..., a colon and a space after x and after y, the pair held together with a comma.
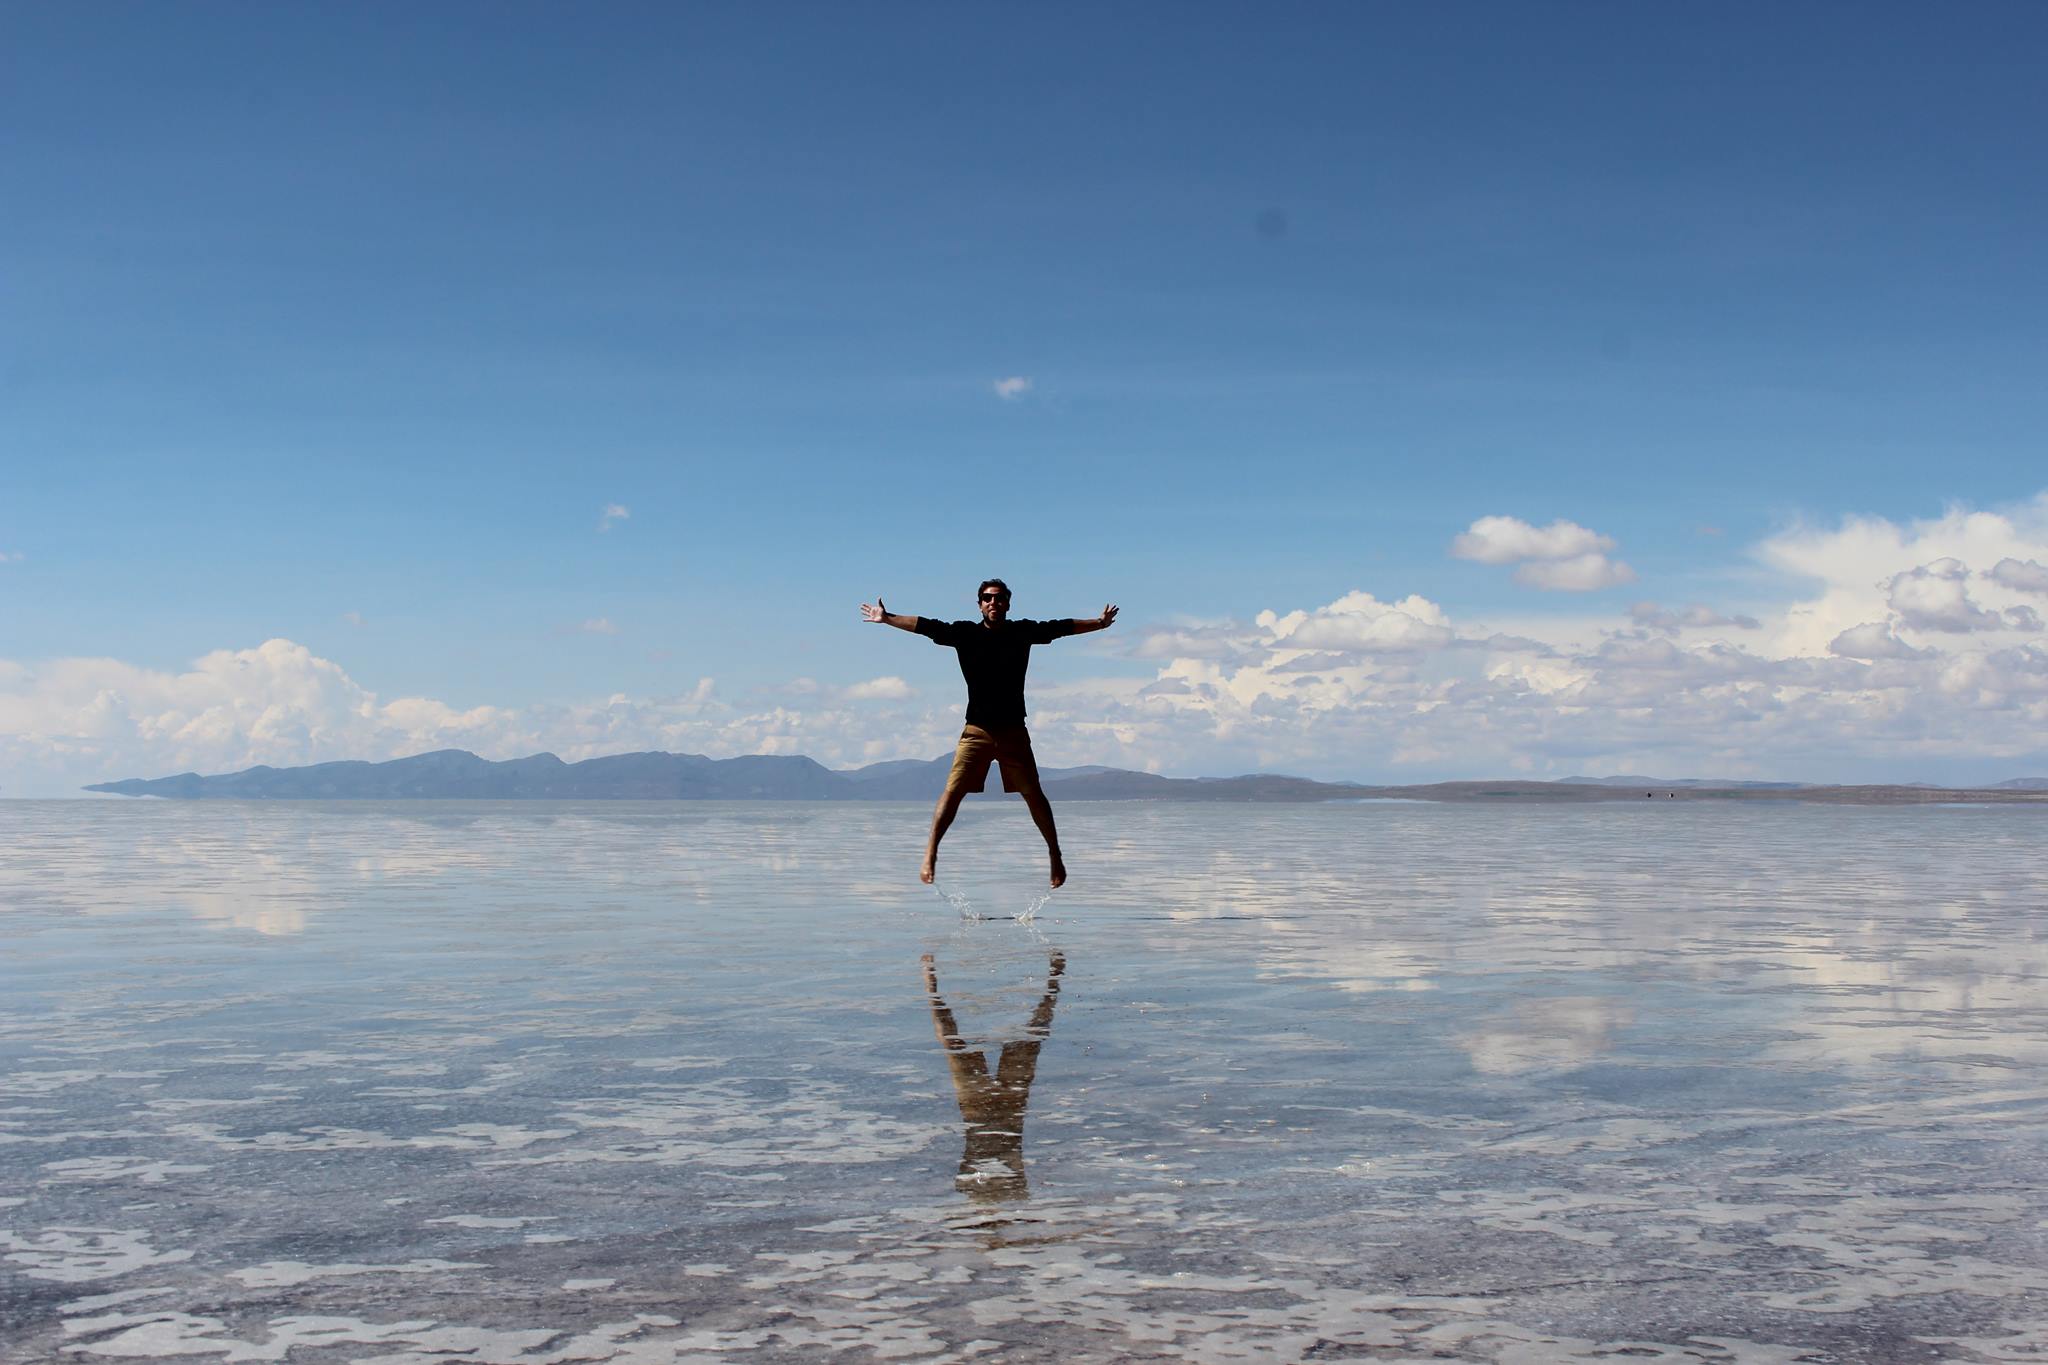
x: 454, y: 774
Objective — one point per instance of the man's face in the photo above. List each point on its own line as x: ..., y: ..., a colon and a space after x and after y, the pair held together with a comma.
x: 995, y: 606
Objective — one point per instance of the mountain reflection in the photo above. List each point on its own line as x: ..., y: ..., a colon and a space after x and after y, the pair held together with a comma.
x: 992, y: 1105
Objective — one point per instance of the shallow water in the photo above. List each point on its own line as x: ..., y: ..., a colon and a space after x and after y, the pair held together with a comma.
x: 527, y: 1082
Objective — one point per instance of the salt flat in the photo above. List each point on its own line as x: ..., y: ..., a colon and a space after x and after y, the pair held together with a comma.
x: 628, y: 1082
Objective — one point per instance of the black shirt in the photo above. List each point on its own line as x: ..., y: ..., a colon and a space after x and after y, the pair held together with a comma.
x: 993, y: 660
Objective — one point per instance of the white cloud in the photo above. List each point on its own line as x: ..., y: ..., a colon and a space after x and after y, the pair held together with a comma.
x: 613, y: 514
x: 1561, y: 557
x: 353, y: 618
x: 1830, y: 684
x: 1580, y: 573
x: 596, y: 625
x: 1651, y: 616
x: 2020, y: 575
x: 1358, y: 622
x: 11, y: 556
x: 1503, y: 540
x: 1702, y: 618
x: 1501, y: 642
x: 880, y: 689
x: 1934, y: 597
x: 1362, y: 694
x: 1851, y: 566
x: 1013, y: 388
x: 1186, y: 640
x: 277, y: 699
x: 1874, y: 640
x: 68, y: 722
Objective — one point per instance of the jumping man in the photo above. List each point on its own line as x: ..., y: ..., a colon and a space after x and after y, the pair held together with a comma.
x: 994, y: 652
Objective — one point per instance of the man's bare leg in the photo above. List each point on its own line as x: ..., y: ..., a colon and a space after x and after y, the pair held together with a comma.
x: 942, y: 819
x: 1041, y: 814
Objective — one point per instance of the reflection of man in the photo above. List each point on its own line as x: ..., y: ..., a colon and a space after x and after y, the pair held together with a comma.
x: 994, y: 652
x: 992, y: 1107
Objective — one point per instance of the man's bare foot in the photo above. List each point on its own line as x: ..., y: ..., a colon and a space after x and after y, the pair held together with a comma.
x: 930, y: 868
x: 1059, y: 872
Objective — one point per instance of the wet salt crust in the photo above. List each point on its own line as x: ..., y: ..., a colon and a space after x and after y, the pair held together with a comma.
x: 668, y: 1083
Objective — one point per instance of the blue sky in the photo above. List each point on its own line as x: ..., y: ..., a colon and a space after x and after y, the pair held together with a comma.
x: 342, y: 326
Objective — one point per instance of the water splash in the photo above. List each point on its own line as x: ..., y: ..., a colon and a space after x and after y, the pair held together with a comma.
x: 964, y: 904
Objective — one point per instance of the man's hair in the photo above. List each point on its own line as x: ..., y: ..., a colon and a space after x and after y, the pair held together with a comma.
x: 988, y: 583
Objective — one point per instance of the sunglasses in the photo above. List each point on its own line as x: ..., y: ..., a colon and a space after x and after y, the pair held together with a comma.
x: 995, y: 597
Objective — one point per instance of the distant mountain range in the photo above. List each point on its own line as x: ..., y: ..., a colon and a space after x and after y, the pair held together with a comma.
x: 454, y: 774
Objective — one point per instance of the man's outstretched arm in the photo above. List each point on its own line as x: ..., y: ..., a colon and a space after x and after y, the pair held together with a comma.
x: 1102, y: 622
x: 881, y: 615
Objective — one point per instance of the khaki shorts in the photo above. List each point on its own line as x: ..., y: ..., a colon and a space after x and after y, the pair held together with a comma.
x: 1009, y: 745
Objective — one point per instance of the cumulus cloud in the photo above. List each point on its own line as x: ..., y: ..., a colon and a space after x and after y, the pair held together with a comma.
x: 277, y: 700
x: 1367, y: 686
x: 1580, y: 573
x: 1358, y: 622
x: 1503, y: 540
x: 1874, y: 640
x: 1651, y: 616
x: 1561, y: 557
x: 880, y: 689
x: 1188, y: 640
x: 1817, y: 676
x: 1012, y: 388
x: 1842, y: 575
x: 2020, y: 575
x: 68, y: 722
x: 1707, y: 618
x: 1935, y: 597
x: 1503, y: 643
x: 613, y: 514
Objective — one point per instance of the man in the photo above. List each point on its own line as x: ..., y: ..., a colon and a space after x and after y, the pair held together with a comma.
x: 994, y: 652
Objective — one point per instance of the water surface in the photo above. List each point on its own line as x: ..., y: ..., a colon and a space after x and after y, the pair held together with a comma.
x: 527, y: 1082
